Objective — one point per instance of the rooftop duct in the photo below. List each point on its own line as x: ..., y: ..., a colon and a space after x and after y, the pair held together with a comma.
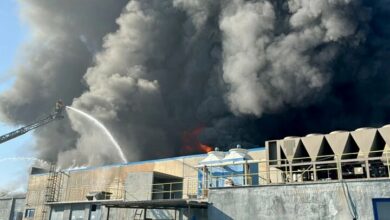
x: 289, y: 146
x: 346, y: 144
x: 98, y: 195
x: 364, y: 138
x: 314, y: 142
x: 338, y: 132
x: 385, y: 133
x: 338, y: 141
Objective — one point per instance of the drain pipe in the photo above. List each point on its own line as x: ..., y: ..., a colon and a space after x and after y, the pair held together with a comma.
x: 351, y: 205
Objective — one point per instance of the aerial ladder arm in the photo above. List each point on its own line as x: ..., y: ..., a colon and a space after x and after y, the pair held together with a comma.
x: 56, y: 115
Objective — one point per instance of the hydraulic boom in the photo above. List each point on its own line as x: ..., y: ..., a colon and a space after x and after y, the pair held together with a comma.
x: 57, y: 114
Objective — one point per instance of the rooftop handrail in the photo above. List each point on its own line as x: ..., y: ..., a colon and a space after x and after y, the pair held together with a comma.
x: 364, y: 153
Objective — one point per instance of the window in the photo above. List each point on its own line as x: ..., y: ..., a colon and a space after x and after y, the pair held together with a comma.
x: 57, y: 213
x: 381, y: 208
x: 29, y: 213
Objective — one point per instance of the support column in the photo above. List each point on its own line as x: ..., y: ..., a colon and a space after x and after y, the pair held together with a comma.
x: 11, y: 208
x: 245, y: 173
x: 108, y: 213
x: 145, y: 213
x: 267, y: 170
x: 339, y: 170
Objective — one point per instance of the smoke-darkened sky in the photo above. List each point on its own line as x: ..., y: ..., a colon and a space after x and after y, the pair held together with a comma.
x: 230, y: 71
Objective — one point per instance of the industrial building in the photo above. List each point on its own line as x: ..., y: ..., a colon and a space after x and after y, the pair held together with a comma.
x: 340, y: 175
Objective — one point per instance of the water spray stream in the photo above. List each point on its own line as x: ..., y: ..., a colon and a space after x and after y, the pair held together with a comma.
x: 99, y: 124
x: 42, y: 162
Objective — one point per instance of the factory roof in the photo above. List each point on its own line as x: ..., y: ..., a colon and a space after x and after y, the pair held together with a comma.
x: 7, y: 197
x: 143, y: 162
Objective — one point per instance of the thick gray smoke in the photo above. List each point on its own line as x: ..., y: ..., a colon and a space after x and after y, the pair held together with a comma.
x: 266, y: 70
x: 62, y: 46
x: 165, y: 76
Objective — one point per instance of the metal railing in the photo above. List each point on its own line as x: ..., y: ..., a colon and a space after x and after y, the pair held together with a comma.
x: 370, y: 165
x: 185, y: 189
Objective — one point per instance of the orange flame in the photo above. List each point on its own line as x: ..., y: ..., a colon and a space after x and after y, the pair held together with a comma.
x: 192, y: 144
x: 206, y: 148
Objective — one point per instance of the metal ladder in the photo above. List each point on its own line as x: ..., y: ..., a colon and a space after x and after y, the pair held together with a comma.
x: 53, y: 188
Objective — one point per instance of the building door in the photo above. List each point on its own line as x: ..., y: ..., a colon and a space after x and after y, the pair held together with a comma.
x: 95, y: 213
x: 78, y: 212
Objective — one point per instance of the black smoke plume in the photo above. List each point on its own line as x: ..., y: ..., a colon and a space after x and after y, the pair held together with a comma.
x: 243, y: 71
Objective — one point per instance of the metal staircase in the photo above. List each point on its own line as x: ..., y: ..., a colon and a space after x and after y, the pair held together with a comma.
x: 138, y: 214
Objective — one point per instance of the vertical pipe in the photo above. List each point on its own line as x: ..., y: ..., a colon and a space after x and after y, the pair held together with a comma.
x: 367, y: 168
x: 145, y: 213
x: 388, y: 166
x: 246, y: 173
x: 204, y: 184
x: 339, y: 170
x: 268, y: 172
x: 203, y: 179
x: 170, y: 191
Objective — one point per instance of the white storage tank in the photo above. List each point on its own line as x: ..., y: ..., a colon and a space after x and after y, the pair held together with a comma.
x: 207, y: 169
x: 213, y: 157
x: 237, y: 154
x: 236, y: 170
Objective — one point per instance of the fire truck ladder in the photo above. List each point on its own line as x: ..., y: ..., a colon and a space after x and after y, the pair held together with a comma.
x: 55, y: 115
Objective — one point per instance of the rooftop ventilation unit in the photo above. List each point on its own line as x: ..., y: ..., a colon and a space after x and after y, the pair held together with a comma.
x: 98, y: 195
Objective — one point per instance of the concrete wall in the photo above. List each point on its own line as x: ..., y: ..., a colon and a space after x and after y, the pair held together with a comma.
x: 138, y: 186
x: 18, y: 208
x: 306, y: 201
x: 126, y: 214
x: 5, y: 209
x: 158, y: 214
x: 35, y: 197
